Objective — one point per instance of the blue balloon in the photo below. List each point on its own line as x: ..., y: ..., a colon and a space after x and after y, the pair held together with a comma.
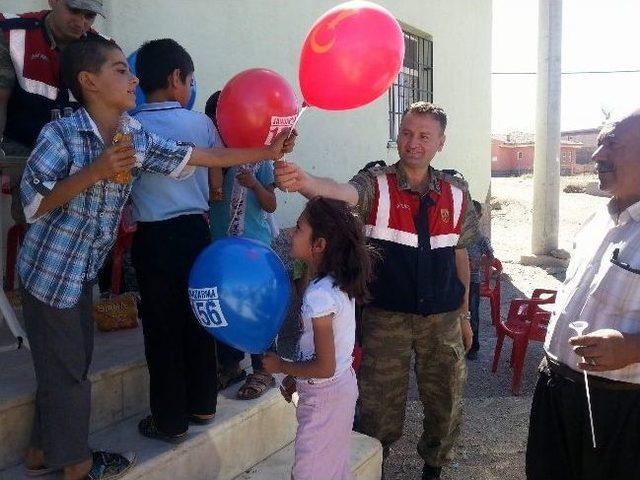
x: 239, y: 292
x: 140, y: 97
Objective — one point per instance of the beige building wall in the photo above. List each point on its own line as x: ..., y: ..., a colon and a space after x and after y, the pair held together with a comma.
x: 228, y: 36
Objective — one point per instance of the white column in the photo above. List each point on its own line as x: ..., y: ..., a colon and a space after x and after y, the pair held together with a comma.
x: 546, y: 167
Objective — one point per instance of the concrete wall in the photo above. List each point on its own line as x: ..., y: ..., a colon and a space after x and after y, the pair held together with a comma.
x: 225, y: 37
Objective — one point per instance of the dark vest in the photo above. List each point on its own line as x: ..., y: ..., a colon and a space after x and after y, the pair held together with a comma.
x: 39, y: 87
x: 416, y: 235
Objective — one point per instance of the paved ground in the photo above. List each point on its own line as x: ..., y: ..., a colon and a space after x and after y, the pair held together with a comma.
x: 493, y: 440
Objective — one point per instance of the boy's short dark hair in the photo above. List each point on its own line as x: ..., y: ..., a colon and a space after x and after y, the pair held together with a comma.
x: 157, y: 59
x: 427, y: 108
x: 87, y: 55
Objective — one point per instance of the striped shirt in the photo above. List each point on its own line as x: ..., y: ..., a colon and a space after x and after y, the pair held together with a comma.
x: 64, y: 248
x: 602, y: 286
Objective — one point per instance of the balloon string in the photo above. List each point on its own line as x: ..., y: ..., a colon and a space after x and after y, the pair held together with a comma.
x: 586, y: 386
x: 305, y: 106
x: 295, y: 122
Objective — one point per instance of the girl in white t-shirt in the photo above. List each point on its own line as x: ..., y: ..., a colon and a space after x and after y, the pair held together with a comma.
x: 330, y: 240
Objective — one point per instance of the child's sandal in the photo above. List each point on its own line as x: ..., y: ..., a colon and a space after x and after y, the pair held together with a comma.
x: 255, y: 386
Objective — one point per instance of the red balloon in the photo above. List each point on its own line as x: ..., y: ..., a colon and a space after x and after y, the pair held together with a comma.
x: 253, y: 107
x: 351, y: 56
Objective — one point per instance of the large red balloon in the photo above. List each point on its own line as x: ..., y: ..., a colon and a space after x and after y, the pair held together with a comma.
x: 253, y: 107
x: 351, y: 55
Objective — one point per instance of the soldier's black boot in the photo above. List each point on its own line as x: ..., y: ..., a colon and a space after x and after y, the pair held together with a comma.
x: 430, y: 473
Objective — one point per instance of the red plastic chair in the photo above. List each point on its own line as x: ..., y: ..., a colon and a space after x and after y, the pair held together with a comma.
x: 526, y: 321
x: 15, y: 237
x: 491, y: 269
x: 126, y: 229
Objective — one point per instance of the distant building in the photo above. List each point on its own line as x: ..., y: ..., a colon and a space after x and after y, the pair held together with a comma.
x: 588, y: 137
x: 513, y: 154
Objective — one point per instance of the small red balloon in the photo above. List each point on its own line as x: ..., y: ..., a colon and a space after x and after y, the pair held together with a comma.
x: 351, y: 56
x: 253, y: 107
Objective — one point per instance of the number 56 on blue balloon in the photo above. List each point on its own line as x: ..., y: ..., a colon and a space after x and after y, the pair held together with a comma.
x: 239, y: 292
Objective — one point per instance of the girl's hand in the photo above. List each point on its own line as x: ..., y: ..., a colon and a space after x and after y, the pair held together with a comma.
x: 272, y: 363
x: 288, y: 387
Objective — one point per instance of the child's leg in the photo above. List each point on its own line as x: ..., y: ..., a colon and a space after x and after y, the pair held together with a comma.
x: 163, y: 328
x: 180, y: 354
x: 199, y: 346
x: 61, y: 347
x: 325, y: 416
x: 228, y: 357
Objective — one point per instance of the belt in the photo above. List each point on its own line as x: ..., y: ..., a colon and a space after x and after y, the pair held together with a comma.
x: 549, y: 365
x: 320, y: 381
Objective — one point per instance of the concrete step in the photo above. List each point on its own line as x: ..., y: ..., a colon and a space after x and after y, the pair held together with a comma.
x: 120, y: 389
x: 366, y: 462
x: 243, y: 434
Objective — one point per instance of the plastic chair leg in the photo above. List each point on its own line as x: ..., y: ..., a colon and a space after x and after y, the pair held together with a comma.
x: 492, y: 306
x: 519, y: 354
x: 495, y: 310
x: 496, y: 353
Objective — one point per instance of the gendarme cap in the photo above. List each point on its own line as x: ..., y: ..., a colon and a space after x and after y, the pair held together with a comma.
x: 96, y: 6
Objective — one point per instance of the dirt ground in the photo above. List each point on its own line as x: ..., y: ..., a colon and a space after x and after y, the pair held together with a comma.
x: 493, y: 440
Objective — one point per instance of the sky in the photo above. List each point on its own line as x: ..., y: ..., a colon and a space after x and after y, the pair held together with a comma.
x: 597, y: 35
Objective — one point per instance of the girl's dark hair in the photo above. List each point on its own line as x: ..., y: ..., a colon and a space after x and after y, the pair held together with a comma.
x: 211, y: 105
x: 86, y: 55
x: 347, y: 257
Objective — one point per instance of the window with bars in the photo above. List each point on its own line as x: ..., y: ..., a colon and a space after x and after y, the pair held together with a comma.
x: 414, y: 82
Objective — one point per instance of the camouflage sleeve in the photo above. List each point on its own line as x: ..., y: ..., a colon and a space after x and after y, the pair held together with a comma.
x: 7, y: 72
x: 363, y: 182
x: 469, y: 232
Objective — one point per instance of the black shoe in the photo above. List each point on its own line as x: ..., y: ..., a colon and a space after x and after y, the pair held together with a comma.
x: 147, y: 427
x: 472, y: 355
x: 110, y: 466
x: 430, y: 473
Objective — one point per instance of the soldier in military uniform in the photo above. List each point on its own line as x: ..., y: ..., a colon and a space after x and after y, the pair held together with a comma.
x: 421, y: 220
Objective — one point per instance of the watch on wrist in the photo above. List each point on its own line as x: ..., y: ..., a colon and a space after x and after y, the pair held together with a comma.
x: 465, y: 316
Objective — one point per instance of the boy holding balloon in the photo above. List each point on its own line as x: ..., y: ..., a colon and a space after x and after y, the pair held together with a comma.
x: 73, y: 203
